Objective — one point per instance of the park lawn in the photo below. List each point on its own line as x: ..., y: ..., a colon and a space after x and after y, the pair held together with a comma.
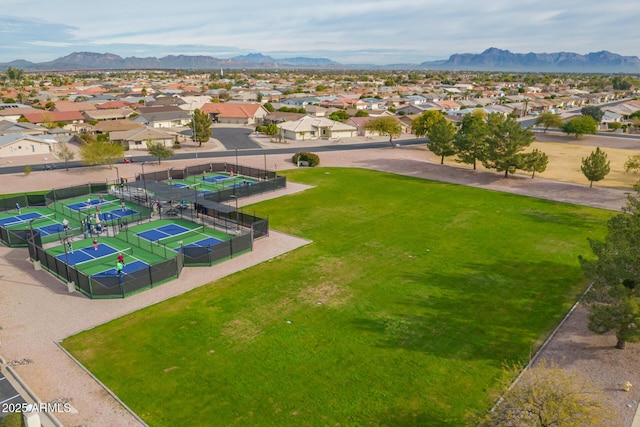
x: 402, y: 311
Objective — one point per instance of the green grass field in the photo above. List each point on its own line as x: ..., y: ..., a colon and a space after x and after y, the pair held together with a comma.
x: 401, y: 312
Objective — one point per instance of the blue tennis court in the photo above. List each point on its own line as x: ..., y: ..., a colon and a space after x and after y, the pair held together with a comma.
x: 115, y: 214
x: 163, y: 232
x: 215, y: 178
x: 51, y: 229
x: 240, y: 184
x: 87, y: 254
x: 204, y: 243
x: 17, y: 219
x: 128, y: 268
x: 86, y: 205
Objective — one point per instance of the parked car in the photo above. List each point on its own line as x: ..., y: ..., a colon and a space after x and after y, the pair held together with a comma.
x: 49, y: 166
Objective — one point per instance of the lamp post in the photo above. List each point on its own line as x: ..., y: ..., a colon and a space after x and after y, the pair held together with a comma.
x: 234, y: 197
x: 265, y: 166
x: 117, y: 175
x: 193, y: 125
x: 237, y: 161
x: 65, y: 242
x: 31, y: 233
x: 144, y: 183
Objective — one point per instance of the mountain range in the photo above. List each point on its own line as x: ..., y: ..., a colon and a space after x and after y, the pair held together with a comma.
x: 492, y: 59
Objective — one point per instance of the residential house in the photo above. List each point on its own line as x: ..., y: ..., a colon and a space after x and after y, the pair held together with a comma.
x: 309, y: 127
x: 281, y: 117
x: 360, y: 124
x: 373, y: 103
x: 13, y: 114
x: 316, y: 110
x: 448, y: 106
x: 235, y: 113
x: 48, y: 117
x: 67, y: 106
x: 137, y: 139
x: 300, y: 102
x: 417, y: 109
x: 7, y: 127
x: 109, y: 114
x: 163, y: 117
x: 108, y: 126
x: 17, y: 144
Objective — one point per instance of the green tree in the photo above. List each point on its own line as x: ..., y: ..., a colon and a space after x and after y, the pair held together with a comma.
x: 385, y: 125
x: 271, y: 130
x: 339, y: 116
x: 101, y: 153
x: 362, y: 113
x: 549, y: 120
x: 593, y: 111
x: 201, y: 122
x: 505, y: 141
x: 614, y: 297
x: 14, y: 74
x: 159, y: 150
x: 421, y: 125
x: 547, y: 396
x: 632, y: 165
x: 580, y: 126
x: 620, y: 83
x: 596, y: 166
x: 65, y: 153
x: 471, y: 140
x: 441, y: 137
x: 269, y: 107
x: 535, y: 161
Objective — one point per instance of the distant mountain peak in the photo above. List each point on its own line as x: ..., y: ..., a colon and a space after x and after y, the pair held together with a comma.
x: 494, y: 59
x: 491, y: 59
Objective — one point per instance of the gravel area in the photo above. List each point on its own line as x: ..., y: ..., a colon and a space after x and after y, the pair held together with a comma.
x: 36, y: 310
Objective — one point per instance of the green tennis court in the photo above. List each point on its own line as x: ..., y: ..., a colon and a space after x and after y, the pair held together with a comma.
x: 168, y: 236
x: 213, y: 182
x: 85, y: 258
x: 43, y: 220
x: 105, y: 206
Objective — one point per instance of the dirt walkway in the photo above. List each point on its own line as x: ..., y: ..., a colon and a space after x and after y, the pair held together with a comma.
x: 36, y: 310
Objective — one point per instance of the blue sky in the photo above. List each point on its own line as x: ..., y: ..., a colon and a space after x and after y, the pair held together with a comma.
x: 347, y: 31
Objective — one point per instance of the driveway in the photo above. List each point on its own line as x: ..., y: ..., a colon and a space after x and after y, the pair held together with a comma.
x: 234, y: 138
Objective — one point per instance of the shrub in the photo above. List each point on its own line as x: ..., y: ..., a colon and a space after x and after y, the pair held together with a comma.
x: 614, y: 125
x: 27, y: 170
x: 261, y: 129
x: 13, y: 419
x: 311, y: 158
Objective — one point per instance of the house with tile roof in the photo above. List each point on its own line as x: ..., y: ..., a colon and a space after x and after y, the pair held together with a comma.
x: 108, y: 114
x: 64, y: 106
x: 108, y: 126
x: 309, y: 127
x: 235, y: 113
x: 43, y: 117
x: 13, y: 114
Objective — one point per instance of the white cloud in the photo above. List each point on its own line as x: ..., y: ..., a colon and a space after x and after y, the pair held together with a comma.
x: 391, y: 30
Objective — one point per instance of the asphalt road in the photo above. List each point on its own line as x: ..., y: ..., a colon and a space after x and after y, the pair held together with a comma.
x: 234, y: 140
x: 8, y: 396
